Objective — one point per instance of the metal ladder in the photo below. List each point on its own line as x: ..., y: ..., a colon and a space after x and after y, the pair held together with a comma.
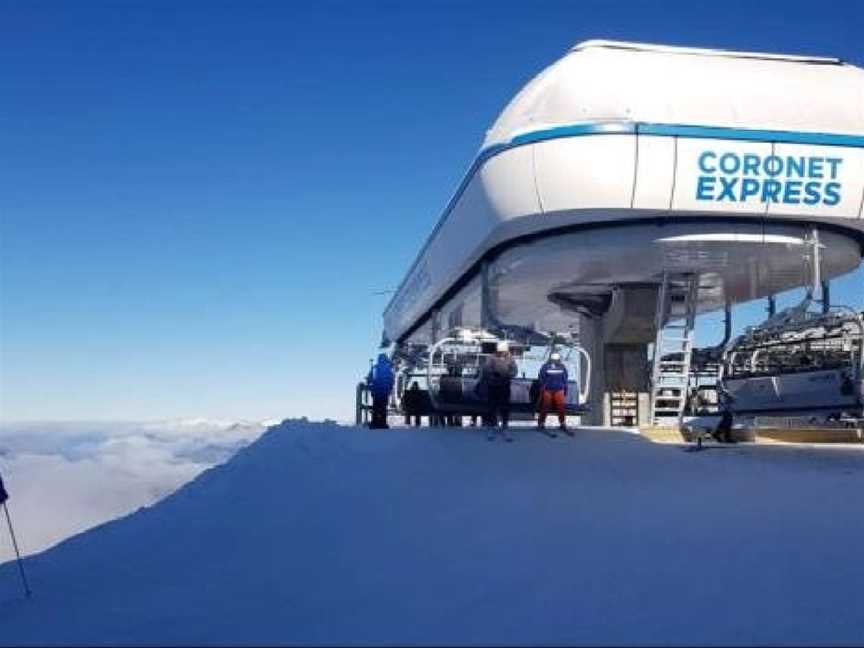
x: 673, y: 348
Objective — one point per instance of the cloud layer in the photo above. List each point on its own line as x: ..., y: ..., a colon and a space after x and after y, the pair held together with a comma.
x: 64, y: 478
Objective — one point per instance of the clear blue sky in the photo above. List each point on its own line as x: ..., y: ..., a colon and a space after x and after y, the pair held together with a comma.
x: 198, y: 199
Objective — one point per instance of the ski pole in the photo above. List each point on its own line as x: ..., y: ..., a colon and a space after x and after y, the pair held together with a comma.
x: 27, y: 591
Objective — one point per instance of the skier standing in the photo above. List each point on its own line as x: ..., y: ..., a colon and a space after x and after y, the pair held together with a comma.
x: 497, y: 373
x: 380, y: 380
x: 553, y: 393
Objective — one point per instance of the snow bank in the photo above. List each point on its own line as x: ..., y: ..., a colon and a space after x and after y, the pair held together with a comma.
x: 318, y: 533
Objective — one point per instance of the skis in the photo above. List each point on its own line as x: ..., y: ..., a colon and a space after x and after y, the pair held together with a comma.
x: 504, y: 433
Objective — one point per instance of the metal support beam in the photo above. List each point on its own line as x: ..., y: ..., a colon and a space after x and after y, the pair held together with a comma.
x: 486, y: 318
x: 436, y: 325
x: 815, y: 290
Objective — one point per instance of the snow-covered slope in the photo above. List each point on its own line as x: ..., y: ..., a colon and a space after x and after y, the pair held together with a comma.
x: 324, y: 534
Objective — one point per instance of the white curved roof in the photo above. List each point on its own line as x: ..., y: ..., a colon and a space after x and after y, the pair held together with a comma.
x: 618, y: 81
x: 620, y: 132
x: 700, y: 51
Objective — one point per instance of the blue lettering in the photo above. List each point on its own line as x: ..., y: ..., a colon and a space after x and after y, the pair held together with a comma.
x: 771, y: 191
x: 773, y: 165
x: 751, y: 164
x: 704, y: 158
x: 792, y: 192
x: 834, y: 163
x: 811, y: 189
x: 749, y: 187
x: 733, y: 168
x: 795, y: 166
x: 727, y: 190
x: 814, y: 169
x: 832, y: 194
x: 705, y: 188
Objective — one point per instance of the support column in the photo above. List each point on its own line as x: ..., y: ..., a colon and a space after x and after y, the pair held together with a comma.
x: 591, y: 339
x: 618, y: 344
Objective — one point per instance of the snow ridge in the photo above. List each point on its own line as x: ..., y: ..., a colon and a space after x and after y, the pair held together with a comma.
x: 324, y: 534
x: 67, y: 477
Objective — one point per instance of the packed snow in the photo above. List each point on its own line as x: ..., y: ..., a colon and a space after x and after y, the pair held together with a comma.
x: 327, y: 534
x: 68, y: 477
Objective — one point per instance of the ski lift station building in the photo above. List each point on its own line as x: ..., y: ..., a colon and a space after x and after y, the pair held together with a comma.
x: 624, y: 164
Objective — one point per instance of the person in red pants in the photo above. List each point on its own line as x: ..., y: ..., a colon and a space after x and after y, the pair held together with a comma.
x: 553, y: 393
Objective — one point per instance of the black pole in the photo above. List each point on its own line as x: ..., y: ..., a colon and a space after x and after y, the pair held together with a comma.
x: 27, y: 591
x: 727, y: 324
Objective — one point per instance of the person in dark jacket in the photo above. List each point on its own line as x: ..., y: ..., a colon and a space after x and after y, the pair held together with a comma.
x: 411, y: 404
x: 553, y: 393
x: 723, y: 431
x: 380, y: 380
x: 497, y: 373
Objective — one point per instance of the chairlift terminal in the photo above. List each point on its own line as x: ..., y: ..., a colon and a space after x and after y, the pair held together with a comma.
x: 624, y: 191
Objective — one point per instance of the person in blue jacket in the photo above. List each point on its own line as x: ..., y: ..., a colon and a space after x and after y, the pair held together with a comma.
x: 553, y: 392
x: 380, y: 381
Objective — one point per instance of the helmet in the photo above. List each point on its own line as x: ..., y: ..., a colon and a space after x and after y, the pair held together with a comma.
x: 502, y: 347
x: 555, y: 357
